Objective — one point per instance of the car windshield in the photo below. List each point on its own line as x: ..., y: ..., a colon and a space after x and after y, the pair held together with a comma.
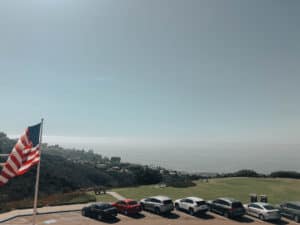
x: 268, y: 207
x: 166, y: 202
x: 104, y: 206
x: 237, y: 205
x: 132, y: 203
x: 200, y: 203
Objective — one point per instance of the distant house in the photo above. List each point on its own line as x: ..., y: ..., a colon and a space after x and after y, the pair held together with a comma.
x: 115, y: 168
x: 164, y: 172
x: 124, y: 170
x: 115, y: 160
x: 101, y: 165
x: 173, y: 173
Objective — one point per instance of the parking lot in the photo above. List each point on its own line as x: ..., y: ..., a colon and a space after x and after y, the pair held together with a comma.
x: 177, y: 218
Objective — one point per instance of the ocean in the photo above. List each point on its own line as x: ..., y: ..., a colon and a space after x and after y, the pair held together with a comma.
x: 218, y: 158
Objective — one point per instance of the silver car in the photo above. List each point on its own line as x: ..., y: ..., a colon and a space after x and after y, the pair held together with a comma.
x: 157, y: 204
x: 263, y: 211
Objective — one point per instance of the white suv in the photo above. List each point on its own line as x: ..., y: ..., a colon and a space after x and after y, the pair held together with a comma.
x: 192, y: 205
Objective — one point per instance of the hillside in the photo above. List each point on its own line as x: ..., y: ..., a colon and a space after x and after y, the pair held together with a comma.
x: 66, y: 170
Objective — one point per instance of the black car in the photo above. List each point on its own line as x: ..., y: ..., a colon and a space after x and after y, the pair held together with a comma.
x: 227, y: 207
x: 290, y: 210
x: 100, y: 211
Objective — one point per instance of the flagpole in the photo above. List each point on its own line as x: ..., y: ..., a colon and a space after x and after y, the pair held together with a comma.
x: 37, y: 176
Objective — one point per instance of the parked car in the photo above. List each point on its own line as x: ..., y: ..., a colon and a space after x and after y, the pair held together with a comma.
x: 290, y: 210
x: 128, y: 206
x: 227, y: 207
x: 158, y: 204
x: 263, y: 211
x: 100, y: 211
x: 193, y: 205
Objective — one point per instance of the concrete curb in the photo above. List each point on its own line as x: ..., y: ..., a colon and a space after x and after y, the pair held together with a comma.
x: 13, y: 217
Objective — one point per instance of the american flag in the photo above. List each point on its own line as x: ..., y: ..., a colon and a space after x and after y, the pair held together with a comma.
x: 25, y: 154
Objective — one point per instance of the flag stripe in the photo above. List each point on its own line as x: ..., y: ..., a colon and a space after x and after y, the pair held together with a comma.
x: 31, y: 157
x: 17, y: 156
x: 15, y: 160
x: 13, y: 165
x: 25, y: 168
x: 5, y: 175
x: 8, y: 167
x: 3, y: 179
x: 6, y: 171
x: 19, y: 146
x: 24, y: 140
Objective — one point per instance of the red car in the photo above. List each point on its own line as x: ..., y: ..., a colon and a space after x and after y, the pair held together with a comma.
x: 128, y: 206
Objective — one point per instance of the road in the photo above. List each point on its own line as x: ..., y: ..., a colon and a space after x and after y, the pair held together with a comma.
x: 146, y: 218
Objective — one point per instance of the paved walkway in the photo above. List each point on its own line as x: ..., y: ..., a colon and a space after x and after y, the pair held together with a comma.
x: 116, y: 195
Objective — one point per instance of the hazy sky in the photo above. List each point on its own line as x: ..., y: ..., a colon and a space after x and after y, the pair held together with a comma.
x: 154, y: 70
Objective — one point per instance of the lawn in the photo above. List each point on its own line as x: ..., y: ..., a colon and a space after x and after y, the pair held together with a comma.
x: 103, y: 198
x: 277, y: 190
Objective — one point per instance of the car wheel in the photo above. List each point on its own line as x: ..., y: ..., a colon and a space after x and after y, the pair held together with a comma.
x: 83, y: 213
x: 176, y: 206
x: 142, y: 207
x: 226, y: 214
x: 191, y: 211
x: 261, y: 217
x: 157, y: 211
x: 126, y: 212
x: 297, y: 219
x: 99, y: 217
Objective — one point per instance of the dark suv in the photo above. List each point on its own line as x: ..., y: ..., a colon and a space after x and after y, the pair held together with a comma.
x: 227, y: 207
x: 290, y: 210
